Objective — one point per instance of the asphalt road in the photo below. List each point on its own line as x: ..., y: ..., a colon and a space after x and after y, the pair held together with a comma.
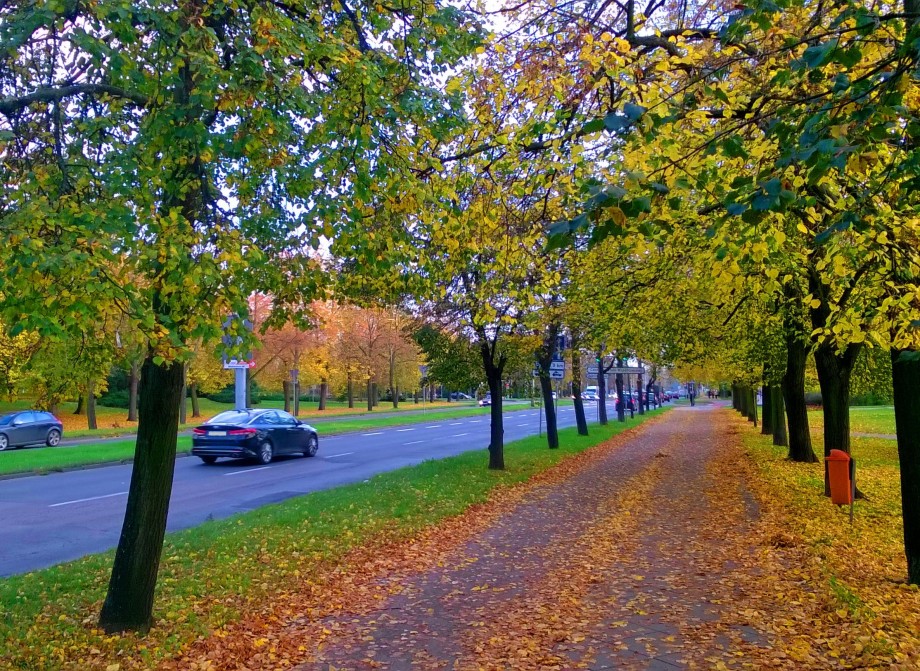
x: 63, y: 516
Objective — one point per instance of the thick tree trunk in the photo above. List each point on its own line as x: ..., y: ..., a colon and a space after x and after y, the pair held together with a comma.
x: 193, y: 392
x: 351, y: 392
x: 906, y: 382
x: 133, y: 380
x: 183, y: 404
x: 766, y: 421
x: 639, y: 390
x: 621, y: 399
x: 602, y: 394
x: 297, y: 398
x: 800, y: 448
x: 129, y: 601
x: 650, y: 388
x: 780, y: 437
x: 834, y: 377
x: 546, y: 388
x: 80, y: 404
x: 370, y: 396
x: 91, y: 404
x: 752, y: 405
x: 288, y: 392
x: 323, y: 392
x: 580, y: 419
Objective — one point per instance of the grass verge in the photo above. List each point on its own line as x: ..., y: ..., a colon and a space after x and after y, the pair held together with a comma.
x: 40, y: 460
x: 210, y: 573
x: 861, y: 568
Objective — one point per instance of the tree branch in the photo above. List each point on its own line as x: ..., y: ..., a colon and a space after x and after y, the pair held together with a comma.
x: 12, y: 105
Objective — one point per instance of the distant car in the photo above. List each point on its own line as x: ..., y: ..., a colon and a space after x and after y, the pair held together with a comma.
x: 257, y: 435
x: 29, y: 427
x: 459, y: 396
x: 485, y: 400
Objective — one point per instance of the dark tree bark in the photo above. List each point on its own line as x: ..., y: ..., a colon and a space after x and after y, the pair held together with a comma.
x: 800, y: 448
x: 286, y: 389
x: 834, y: 377
x: 129, y: 602
x: 752, y: 405
x: 602, y: 389
x: 297, y: 398
x: 79, y: 410
x: 324, y: 390
x: 650, y: 387
x: 193, y: 393
x: 544, y: 359
x: 494, y: 368
x: 394, y: 389
x: 639, y: 390
x: 91, y: 404
x: 580, y: 420
x: 621, y: 400
x: 766, y: 422
x: 351, y: 392
x: 370, y: 395
x: 780, y: 437
x: 133, y: 380
x: 906, y: 381
x: 182, y: 402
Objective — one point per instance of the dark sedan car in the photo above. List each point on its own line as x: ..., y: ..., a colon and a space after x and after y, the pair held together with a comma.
x: 29, y: 427
x: 258, y: 435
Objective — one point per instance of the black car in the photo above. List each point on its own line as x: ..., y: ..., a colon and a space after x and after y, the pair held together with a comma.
x: 29, y: 427
x: 258, y: 435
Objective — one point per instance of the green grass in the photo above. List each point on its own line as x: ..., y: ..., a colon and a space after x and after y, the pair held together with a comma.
x: 863, y: 419
x: 210, y: 572
x: 43, y: 460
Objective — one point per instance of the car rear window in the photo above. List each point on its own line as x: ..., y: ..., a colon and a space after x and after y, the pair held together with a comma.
x: 44, y: 417
x: 231, y: 417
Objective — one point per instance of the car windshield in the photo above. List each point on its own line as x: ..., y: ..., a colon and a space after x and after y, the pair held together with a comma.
x: 232, y: 417
x: 6, y: 419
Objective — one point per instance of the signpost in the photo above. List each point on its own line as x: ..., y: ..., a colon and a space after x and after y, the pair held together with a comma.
x: 239, y: 366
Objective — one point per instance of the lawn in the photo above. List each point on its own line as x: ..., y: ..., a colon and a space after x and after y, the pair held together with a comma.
x: 217, y: 572
x: 43, y: 460
x: 862, y: 568
x: 863, y: 419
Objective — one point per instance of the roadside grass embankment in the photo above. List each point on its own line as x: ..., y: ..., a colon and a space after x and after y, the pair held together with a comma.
x: 215, y: 573
x: 861, y: 568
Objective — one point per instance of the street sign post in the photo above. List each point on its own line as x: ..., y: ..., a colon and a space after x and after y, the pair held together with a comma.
x: 592, y: 371
x: 627, y: 370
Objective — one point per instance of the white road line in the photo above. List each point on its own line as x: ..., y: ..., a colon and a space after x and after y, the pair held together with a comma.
x: 414, y: 442
x: 248, y: 470
x: 475, y: 421
x: 456, y: 423
x: 403, y: 430
x: 523, y: 424
x: 457, y: 435
x: 342, y: 454
x: 433, y: 426
x: 91, y: 498
x: 376, y: 433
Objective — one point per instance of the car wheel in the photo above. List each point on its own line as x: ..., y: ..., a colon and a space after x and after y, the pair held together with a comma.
x: 54, y: 437
x: 312, y: 446
x: 209, y: 460
x: 4, y: 441
x: 265, y: 452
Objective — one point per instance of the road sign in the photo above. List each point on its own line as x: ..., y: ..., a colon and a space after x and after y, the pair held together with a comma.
x: 556, y: 374
x: 230, y: 364
x: 592, y: 371
x: 627, y: 370
x: 557, y: 365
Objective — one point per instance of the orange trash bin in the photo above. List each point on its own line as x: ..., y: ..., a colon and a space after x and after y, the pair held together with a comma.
x: 840, y: 476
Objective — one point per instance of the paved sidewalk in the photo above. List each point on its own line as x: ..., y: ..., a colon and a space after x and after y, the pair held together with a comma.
x: 626, y: 565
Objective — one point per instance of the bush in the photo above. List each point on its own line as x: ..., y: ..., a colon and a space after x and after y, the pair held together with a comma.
x: 114, y: 399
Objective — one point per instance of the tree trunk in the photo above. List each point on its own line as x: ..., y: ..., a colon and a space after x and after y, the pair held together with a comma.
x: 370, y: 395
x: 906, y: 382
x: 323, y: 391
x: 393, y: 390
x: 766, y: 422
x: 650, y: 388
x: 639, y: 392
x: 580, y: 420
x: 800, y: 448
x: 752, y: 405
x: 834, y: 377
x: 79, y: 410
x: 193, y: 392
x: 351, y: 392
x: 297, y: 398
x: 621, y: 401
x: 133, y: 381
x: 129, y: 601
x: 182, y: 402
x: 602, y: 393
x: 780, y: 437
x: 497, y: 428
x: 91, y: 404
x: 288, y: 393
x: 546, y: 388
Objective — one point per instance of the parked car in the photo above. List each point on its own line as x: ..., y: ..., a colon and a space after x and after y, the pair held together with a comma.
x: 459, y: 396
x: 29, y: 427
x: 257, y: 435
x: 485, y: 400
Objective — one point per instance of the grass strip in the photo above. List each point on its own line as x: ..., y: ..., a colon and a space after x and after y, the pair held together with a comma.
x: 41, y: 460
x: 209, y: 573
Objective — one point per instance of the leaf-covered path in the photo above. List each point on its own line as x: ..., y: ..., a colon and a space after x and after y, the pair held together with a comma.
x: 645, y: 553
